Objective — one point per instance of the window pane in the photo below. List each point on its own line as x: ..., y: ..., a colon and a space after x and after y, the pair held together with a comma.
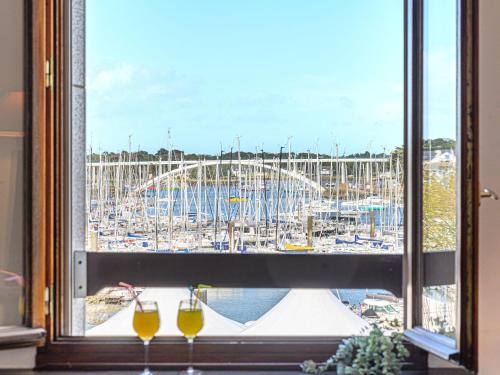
x: 440, y: 155
x: 245, y: 127
x: 252, y: 312
x: 11, y: 162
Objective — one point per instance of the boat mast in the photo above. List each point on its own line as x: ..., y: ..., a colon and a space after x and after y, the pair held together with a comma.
x: 90, y: 187
x: 198, y: 211
x: 240, y: 195
x: 157, y: 192
x: 337, y: 185
x: 117, y: 189
x: 170, y: 188
x: 331, y: 177
x: 265, y: 195
x: 289, y: 189
x: 205, y: 189
x: 318, y: 173
x: 257, y: 199
x: 383, y: 187
x: 217, y: 198
x: 311, y: 194
x: 99, y: 193
x: 278, y: 199
x: 229, y: 177
x: 129, y: 179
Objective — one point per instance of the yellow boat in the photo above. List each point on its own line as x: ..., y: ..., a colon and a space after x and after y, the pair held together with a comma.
x: 237, y: 199
x: 292, y: 247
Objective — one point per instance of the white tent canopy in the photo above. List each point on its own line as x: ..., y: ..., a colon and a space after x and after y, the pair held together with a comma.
x: 168, y: 299
x: 302, y: 312
x: 308, y: 312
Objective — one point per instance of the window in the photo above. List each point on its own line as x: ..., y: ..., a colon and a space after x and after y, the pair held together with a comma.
x: 233, y: 154
x: 439, y: 157
x: 273, y: 221
x: 15, y: 197
x: 443, y: 186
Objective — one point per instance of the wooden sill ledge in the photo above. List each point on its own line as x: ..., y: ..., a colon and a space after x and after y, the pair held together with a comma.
x: 18, y: 337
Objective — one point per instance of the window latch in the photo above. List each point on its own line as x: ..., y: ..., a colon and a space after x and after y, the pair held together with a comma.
x: 488, y: 193
x: 48, y: 73
x: 47, y: 300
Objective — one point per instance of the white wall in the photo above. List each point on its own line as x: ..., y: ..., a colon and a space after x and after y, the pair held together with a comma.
x: 489, y: 154
x: 23, y: 358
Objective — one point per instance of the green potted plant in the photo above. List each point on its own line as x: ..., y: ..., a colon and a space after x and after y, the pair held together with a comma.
x: 373, y: 354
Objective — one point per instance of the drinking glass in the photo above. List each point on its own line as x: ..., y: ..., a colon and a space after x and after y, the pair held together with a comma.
x: 190, y: 322
x: 146, y: 323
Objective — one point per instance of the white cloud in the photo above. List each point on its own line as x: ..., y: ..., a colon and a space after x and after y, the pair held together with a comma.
x: 112, y: 78
x: 126, y: 89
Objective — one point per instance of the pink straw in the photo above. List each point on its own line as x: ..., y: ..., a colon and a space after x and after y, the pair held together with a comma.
x: 132, y: 292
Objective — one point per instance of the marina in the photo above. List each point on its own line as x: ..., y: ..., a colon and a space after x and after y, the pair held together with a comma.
x: 243, y: 202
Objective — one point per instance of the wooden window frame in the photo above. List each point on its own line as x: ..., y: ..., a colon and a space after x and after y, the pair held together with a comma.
x: 24, y: 335
x: 47, y: 41
x: 463, y: 350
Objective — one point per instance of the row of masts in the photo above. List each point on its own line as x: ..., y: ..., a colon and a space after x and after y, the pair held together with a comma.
x: 235, y: 202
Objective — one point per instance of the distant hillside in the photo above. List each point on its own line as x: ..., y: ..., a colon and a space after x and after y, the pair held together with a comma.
x: 141, y: 155
x: 178, y: 155
x: 439, y: 144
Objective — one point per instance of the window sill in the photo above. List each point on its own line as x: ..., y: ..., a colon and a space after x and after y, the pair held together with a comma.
x: 18, y: 337
x: 439, y: 345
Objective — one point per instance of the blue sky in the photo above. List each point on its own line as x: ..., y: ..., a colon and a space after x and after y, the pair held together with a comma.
x: 320, y: 71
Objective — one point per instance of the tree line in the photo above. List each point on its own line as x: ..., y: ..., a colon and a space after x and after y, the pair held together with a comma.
x: 163, y: 154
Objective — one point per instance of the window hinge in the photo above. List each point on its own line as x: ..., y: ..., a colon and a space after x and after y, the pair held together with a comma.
x: 47, y: 300
x: 80, y: 274
x: 49, y: 74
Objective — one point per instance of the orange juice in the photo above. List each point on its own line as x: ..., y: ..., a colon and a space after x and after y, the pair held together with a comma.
x: 190, y: 321
x: 146, y: 324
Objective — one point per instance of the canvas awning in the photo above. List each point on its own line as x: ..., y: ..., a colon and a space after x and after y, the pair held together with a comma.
x: 308, y: 312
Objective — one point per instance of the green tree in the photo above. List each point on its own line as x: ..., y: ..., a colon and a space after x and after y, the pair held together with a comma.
x: 439, y: 208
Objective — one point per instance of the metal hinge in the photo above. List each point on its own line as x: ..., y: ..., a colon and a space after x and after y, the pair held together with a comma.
x: 49, y: 74
x: 80, y: 274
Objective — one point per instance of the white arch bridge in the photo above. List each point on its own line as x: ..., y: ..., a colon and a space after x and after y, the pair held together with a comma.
x: 214, y: 163
x: 268, y: 164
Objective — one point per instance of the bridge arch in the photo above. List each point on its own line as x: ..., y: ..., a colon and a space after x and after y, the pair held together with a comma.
x: 252, y: 163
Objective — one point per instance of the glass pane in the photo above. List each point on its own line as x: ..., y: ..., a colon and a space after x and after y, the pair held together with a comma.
x: 252, y: 312
x: 440, y: 155
x: 11, y: 163
x: 245, y: 127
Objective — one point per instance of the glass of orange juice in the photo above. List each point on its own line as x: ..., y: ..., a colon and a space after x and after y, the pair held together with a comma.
x: 146, y: 323
x: 190, y: 322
